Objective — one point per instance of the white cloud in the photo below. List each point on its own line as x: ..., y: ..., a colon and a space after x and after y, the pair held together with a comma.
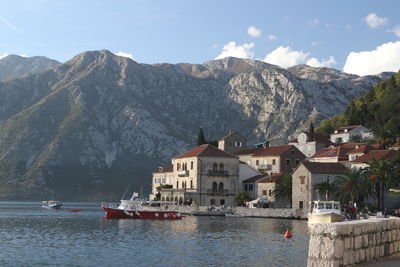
x: 240, y: 51
x: 272, y: 37
x: 123, y: 54
x: 4, y: 55
x: 286, y: 57
x: 22, y: 55
x: 314, y: 62
x: 396, y: 30
x: 373, y: 21
x: 254, y: 32
x: 385, y: 57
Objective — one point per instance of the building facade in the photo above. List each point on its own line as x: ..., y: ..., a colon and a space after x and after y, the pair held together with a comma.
x: 310, y: 143
x: 163, y: 176
x: 204, y: 176
x: 232, y: 142
x: 347, y: 133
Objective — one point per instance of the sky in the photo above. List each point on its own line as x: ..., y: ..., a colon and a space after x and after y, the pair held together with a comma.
x: 358, y: 36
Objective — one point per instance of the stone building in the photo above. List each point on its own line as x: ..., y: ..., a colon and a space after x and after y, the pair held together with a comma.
x: 204, y: 176
x: 266, y: 188
x: 364, y: 160
x: 277, y: 159
x: 163, y: 176
x: 310, y: 143
x: 232, y: 142
x: 304, y: 178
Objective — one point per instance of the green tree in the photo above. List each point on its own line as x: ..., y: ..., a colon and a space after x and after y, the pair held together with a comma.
x: 201, y: 138
x: 241, y: 198
x: 382, y: 174
x: 352, y: 186
x: 283, y: 187
x: 326, y: 188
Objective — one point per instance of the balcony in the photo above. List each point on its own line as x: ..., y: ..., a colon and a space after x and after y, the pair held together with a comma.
x: 264, y: 168
x: 218, y: 192
x: 217, y: 173
x: 183, y: 173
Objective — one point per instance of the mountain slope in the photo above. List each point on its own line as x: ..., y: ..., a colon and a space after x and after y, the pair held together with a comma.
x: 87, y: 128
x: 14, y: 66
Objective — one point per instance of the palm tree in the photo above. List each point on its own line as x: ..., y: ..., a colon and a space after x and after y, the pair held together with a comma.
x: 328, y: 188
x: 283, y: 187
x: 383, y: 136
x: 382, y: 174
x: 352, y: 186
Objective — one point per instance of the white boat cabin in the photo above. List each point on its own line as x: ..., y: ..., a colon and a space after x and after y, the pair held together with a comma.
x: 326, y: 207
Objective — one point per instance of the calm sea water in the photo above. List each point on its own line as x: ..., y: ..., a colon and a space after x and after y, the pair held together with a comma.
x: 34, y: 237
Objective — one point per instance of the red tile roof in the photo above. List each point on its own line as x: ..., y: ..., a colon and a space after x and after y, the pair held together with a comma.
x: 228, y: 135
x: 254, y: 178
x: 324, y: 167
x: 206, y: 150
x: 349, y: 128
x: 397, y: 144
x: 376, y: 155
x: 275, y: 176
x: 362, y: 149
x: 339, y: 152
x: 274, y: 151
x: 249, y: 151
x: 165, y: 168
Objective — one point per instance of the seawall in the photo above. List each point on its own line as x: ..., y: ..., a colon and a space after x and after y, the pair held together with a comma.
x: 241, y: 211
x: 353, y: 242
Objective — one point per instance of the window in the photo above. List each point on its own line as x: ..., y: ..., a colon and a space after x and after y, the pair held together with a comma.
x: 221, y: 186
x: 269, y: 192
x: 328, y: 206
x: 191, y: 165
x: 300, y: 204
x: 297, y: 162
x: 257, y: 162
x: 273, y: 162
x: 177, y: 184
x: 163, y: 180
x: 212, y: 201
x: 222, y: 202
x: 183, y: 185
x: 155, y: 180
x: 245, y: 187
x: 215, y: 166
x: 221, y: 166
x: 327, y: 179
x: 302, y: 179
x: 251, y: 187
x: 292, y: 152
x: 177, y: 166
x: 288, y: 162
x: 264, y: 192
x: 215, y: 186
x: 191, y: 183
x: 238, y: 144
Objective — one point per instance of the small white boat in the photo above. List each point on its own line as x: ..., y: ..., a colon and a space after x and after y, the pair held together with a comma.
x: 325, y: 212
x: 51, y: 204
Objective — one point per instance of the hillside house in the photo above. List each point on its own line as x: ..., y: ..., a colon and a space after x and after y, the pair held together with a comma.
x: 232, y: 142
x: 347, y: 133
x: 364, y: 160
x: 310, y: 143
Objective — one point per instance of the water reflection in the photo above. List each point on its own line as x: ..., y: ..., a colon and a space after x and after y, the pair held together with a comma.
x: 31, y: 236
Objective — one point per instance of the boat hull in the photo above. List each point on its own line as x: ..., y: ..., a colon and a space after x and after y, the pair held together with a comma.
x: 112, y: 213
x: 54, y: 207
x: 325, y: 218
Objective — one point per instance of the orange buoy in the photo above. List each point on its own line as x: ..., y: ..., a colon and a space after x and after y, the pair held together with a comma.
x: 287, y: 234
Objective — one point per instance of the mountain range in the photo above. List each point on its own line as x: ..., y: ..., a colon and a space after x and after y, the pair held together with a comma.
x: 86, y: 128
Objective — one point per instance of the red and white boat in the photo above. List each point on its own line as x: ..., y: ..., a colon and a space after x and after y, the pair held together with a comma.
x: 136, y: 208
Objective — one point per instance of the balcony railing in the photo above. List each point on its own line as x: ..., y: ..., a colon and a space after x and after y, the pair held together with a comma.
x: 182, y: 173
x: 218, y: 191
x: 265, y: 167
x: 217, y: 173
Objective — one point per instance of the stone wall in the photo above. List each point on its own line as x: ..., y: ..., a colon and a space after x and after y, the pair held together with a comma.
x: 348, y: 243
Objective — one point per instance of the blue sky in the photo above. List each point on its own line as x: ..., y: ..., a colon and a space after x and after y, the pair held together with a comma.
x: 360, y: 37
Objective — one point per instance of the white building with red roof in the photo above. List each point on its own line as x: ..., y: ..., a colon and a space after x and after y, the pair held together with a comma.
x: 162, y: 176
x: 366, y: 159
x: 345, y: 134
x: 310, y: 143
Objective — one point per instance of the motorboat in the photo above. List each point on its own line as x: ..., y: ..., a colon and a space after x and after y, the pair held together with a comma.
x: 51, y: 204
x: 136, y: 208
x: 326, y: 212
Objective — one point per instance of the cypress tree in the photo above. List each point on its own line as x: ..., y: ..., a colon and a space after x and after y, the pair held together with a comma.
x: 200, y: 138
x: 311, y: 130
